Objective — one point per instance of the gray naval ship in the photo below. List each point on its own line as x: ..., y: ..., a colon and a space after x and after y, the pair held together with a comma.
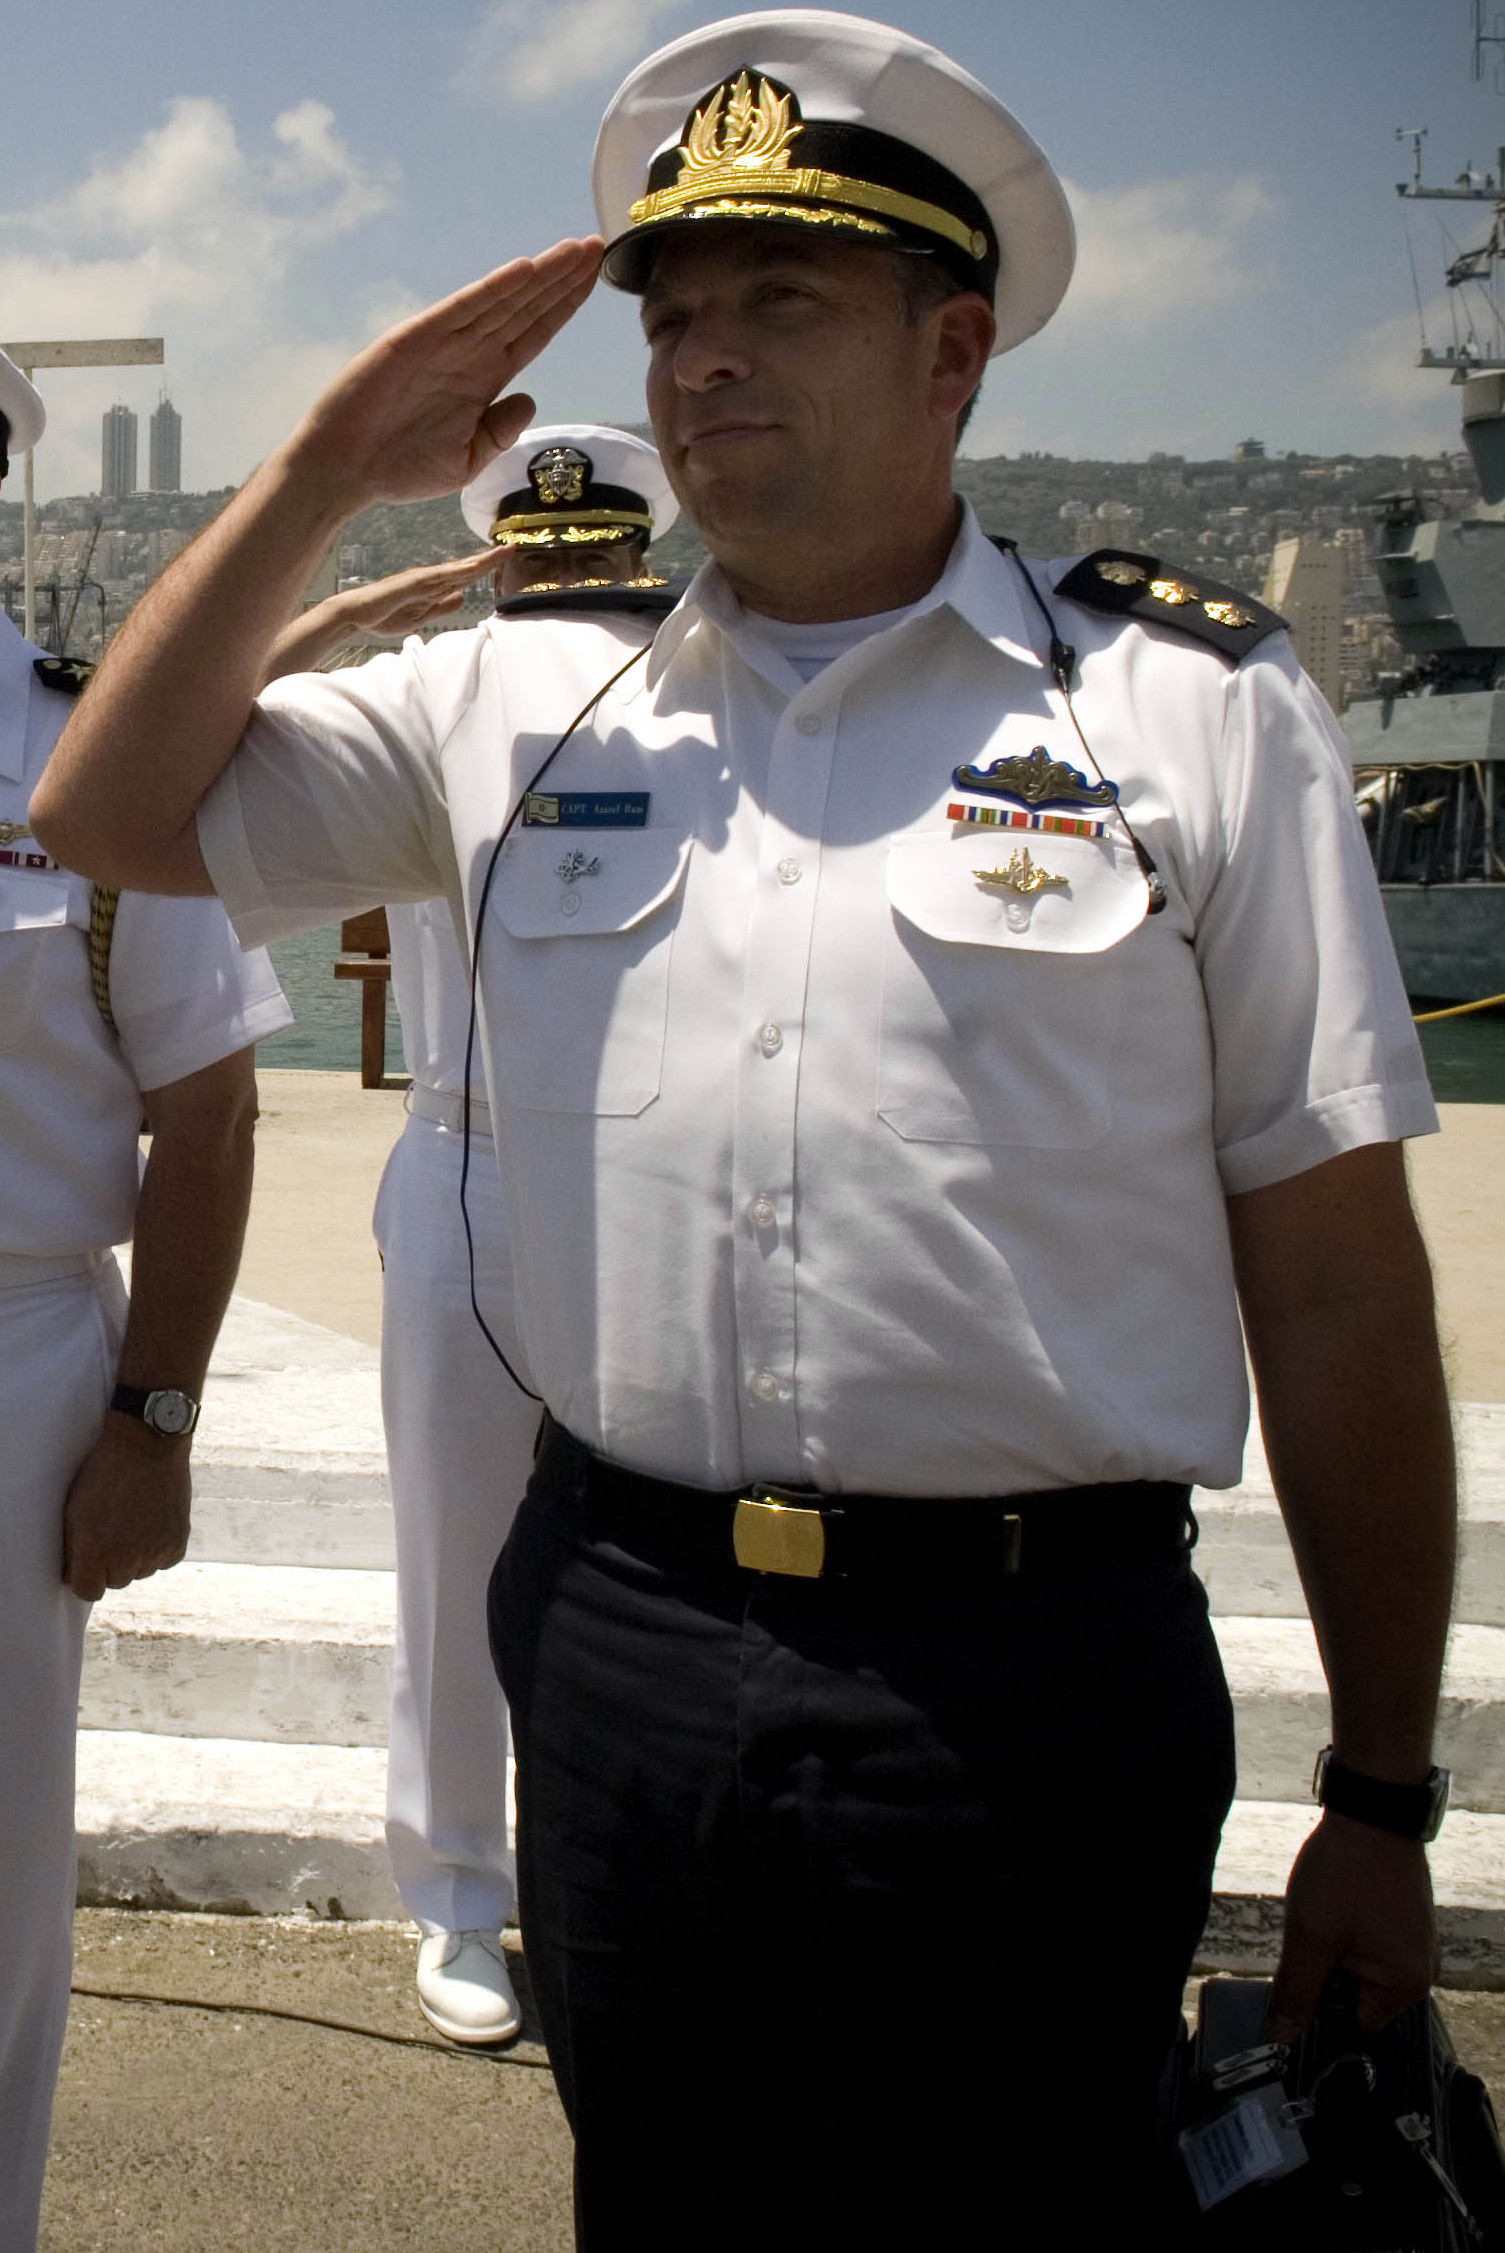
x: 1429, y: 753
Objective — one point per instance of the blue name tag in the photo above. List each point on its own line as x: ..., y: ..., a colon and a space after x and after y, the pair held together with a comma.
x: 586, y: 809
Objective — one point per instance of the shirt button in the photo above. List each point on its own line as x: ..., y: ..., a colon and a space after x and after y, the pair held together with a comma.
x: 764, y: 1386
x: 761, y: 1212
x: 790, y: 872
x: 809, y: 723
x: 770, y: 1039
x: 570, y: 904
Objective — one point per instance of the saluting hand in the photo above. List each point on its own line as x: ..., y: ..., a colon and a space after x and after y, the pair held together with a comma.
x: 127, y: 1511
x: 417, y: 413
x: 398, y: 605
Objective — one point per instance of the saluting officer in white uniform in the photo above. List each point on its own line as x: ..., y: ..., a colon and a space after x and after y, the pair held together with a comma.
x: 572, y: 506
x: 896, y: 1108
x: 107, y: 1009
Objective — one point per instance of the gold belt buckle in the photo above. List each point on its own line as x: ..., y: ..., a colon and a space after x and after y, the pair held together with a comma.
x: 772, y: 1534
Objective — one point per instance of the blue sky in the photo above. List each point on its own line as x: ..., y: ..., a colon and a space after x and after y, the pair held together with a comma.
x: 267, y: 187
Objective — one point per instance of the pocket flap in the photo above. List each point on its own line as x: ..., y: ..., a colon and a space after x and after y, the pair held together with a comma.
x: 556, y: 886
x: 1035, y: 892
x: 37, y: 900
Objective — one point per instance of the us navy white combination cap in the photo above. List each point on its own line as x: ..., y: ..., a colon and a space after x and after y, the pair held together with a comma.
x: 844, y: 129
x: 21, y: 405
x: 571, y: 484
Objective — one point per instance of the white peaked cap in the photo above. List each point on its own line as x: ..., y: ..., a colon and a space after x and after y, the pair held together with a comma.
x: 622, y: 492
x: 21, y: 405
x: 876, y: 136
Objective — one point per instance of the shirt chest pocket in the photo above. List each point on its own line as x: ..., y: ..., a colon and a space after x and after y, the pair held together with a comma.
x: 589, y: 918
x: 44, y: 914
x: 1001, y: 986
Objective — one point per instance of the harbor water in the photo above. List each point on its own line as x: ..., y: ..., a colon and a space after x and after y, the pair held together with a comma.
x: 1465, y: 1055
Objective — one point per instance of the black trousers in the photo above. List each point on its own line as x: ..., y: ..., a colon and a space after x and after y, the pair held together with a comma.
x: 857, y: 1913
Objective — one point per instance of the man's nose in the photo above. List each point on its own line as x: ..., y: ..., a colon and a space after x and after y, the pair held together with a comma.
x: 708, y: 355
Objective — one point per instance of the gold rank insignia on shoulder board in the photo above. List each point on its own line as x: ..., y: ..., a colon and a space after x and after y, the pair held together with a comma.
x: 1160, y: 594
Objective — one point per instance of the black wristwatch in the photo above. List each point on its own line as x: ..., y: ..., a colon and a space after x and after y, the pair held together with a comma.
x: 1407, y: 1810
x: 167, y: 1412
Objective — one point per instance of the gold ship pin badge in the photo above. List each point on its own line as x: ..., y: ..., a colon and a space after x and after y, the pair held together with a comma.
x: 1023, y: 877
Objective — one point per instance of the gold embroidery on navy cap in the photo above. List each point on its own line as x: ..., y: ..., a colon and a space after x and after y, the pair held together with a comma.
x: 737, y: 145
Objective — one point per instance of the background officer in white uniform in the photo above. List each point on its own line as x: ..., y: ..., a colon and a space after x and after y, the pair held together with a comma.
x: 569, y: 506
x: 884, y: 1189
x: 97, y: 1024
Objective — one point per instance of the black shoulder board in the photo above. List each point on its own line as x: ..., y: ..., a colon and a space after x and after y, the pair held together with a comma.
x: 653, y: 598
x: 1162, y: 594
x: 69, y: 674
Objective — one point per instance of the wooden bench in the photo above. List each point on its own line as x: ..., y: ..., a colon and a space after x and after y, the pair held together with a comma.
x: 366, y: 954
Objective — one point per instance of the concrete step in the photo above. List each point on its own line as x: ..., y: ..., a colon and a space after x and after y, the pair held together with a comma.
x: 1245, y: 1559
x: 1280, y: 1701
x: 290, y: 1462
x: 295, y: 1655
x: 278, y: 1653
x: 1260, y: 1841
x: 291, y: 1512
x: 219, y: 1824
x: 199, y: 1822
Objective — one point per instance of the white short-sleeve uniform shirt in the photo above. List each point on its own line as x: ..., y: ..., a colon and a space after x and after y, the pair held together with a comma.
x: 824, y: 1164
x: 432, y: 992
x: 182, y: 993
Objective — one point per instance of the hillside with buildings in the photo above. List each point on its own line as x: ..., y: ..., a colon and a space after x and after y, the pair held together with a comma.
x: 1234, y: 519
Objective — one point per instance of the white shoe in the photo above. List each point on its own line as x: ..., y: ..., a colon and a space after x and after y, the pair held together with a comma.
x: 463, y: 1987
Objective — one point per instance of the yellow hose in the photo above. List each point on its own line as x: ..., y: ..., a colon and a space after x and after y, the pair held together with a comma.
x: 1463, y: 1009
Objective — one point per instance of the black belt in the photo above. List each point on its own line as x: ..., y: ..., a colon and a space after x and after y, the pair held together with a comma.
x: 789, y: 1530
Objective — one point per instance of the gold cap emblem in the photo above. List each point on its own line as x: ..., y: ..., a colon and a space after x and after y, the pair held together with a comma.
x: 743, y: 128
x: 558, y: 475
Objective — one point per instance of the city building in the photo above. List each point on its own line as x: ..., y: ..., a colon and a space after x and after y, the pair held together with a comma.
x: 1306, y: 584
x: 166, y: 542
x: 117, y: 474
x: 166, y: 450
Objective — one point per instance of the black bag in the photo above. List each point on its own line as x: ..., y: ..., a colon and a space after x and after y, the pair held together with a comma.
x: 1343, y: 2143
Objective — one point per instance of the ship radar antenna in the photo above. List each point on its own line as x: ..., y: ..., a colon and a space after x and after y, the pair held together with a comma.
x: 1490, y: 33
x: 1415, y: 134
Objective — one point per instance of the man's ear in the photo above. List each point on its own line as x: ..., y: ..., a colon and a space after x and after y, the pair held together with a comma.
x: 964, y: 333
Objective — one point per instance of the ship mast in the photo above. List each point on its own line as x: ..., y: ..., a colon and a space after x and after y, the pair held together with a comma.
x: 1471, y: 266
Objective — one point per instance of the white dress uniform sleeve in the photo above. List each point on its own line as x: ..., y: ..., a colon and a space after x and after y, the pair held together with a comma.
x: 182, y: 992
x: 1315, y: 1051
x: 333, y: 802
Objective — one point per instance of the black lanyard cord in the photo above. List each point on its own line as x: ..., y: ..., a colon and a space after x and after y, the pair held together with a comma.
x: 475, y: 981
x: 1062, y: 666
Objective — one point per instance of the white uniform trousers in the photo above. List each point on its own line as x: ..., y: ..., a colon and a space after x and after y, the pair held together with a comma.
x: 460, y: 1442
x: 59, y: 1340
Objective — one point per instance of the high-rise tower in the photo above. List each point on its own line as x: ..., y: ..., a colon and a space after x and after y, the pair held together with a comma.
x: 117, y: 475
x: 166, y: 449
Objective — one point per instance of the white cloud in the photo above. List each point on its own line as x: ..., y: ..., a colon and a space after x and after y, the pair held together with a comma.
x: 1165, y: 247
x: 1153, y: 261
x: 525, y: 51
x: 194, y: 237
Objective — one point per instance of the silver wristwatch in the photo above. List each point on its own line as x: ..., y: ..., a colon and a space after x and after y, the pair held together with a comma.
x: 171, y: 1414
